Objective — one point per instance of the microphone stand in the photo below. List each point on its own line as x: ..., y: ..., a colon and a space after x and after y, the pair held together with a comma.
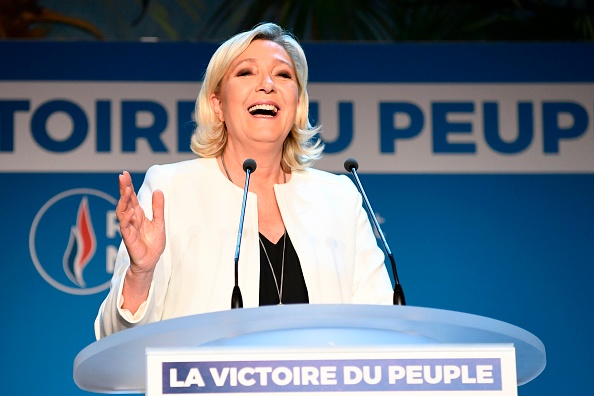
x: 249, y: 166
x: 351, y: 165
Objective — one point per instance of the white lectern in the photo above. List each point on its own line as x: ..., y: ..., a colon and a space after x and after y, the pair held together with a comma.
x: 118, y: 363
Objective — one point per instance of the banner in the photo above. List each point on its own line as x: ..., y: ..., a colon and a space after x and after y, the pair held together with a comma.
x: 411, y: 128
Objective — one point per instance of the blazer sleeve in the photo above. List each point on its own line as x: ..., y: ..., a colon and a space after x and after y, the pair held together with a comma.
x: 111, y: 317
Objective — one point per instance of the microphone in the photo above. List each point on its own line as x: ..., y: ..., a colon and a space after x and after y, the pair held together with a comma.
x: 351, y: 165
x: 249, y: 166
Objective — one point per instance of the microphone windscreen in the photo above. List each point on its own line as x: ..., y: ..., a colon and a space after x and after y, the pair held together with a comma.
x: 351, y: 163
x: 249, y: 164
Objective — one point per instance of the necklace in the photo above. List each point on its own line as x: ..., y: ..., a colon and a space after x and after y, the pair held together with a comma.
x: 279, y: 290
x: 225, y: 167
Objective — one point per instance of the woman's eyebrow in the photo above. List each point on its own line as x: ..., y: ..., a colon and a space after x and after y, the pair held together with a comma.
x: 253, y: 60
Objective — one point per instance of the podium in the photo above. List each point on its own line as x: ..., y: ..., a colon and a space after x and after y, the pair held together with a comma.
x: 118, y: 363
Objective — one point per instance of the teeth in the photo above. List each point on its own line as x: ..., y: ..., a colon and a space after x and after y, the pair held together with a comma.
x: 265, y: 107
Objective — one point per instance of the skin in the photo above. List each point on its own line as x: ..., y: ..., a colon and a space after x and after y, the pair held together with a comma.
x: 144, y: 239
x: 262, y: 75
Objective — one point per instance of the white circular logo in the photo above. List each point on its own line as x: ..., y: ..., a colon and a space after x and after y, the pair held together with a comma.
x: 73, y: 241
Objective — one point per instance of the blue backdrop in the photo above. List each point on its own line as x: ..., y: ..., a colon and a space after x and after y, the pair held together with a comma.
x: 516, y: 246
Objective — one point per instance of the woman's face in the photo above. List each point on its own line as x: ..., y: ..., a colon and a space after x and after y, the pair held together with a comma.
x: 259, y: 95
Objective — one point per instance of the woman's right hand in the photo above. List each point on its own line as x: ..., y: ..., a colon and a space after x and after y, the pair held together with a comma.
x: 144, y: 240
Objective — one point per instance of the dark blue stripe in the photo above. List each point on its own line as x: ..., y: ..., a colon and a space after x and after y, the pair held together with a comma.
x: 363, y: 63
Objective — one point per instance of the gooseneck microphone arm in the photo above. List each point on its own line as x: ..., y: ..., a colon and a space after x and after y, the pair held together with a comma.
x: 351, y: 165
x: 249, y: 167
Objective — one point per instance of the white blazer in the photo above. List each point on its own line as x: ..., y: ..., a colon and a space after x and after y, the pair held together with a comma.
x: 322, y: 212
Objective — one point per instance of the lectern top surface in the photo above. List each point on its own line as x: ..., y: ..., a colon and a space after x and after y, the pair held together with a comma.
x: 116, y: 363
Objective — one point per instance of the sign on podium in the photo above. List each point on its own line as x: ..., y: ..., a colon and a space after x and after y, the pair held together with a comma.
x: 421, y: 370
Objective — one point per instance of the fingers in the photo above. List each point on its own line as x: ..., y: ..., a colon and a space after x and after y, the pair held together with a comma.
x: 126, y: 188
x: 127, y: 206
x: 128, y: 197
x: 125, y: 181
x: 144, y: 238
x: 127, y: 229
x: 134, y: 198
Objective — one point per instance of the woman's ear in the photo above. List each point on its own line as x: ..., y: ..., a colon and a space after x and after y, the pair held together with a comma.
x: 217, y: 107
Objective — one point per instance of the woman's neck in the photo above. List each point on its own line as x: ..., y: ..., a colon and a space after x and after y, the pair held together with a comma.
x: 268, y: 170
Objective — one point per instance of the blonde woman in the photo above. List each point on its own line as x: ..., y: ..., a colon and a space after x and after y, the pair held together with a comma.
x: 306, y: 237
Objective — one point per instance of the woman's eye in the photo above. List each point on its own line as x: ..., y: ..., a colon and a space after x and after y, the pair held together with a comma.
x: 244, y: 72
x: 285, y: 75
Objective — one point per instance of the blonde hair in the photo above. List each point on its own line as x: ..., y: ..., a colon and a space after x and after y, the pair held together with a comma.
x: 301, y: 147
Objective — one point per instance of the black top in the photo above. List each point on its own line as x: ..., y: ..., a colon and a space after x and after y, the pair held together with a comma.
x: 294, y: 288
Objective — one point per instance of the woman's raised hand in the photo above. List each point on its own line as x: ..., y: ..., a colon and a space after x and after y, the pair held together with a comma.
x: 144, y: 239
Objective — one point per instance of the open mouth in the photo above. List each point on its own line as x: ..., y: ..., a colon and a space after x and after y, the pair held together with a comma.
x: 263, y: 110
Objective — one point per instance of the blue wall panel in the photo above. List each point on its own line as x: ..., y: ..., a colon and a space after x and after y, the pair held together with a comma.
x: 514, y: 246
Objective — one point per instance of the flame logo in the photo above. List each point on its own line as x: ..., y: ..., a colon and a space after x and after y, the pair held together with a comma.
x: 81, y: 245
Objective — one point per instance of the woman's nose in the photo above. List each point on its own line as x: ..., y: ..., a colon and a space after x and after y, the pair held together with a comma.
x: 266, y: 84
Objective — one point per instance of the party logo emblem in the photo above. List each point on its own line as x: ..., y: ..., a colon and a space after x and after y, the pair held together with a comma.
x: 73, y: 241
